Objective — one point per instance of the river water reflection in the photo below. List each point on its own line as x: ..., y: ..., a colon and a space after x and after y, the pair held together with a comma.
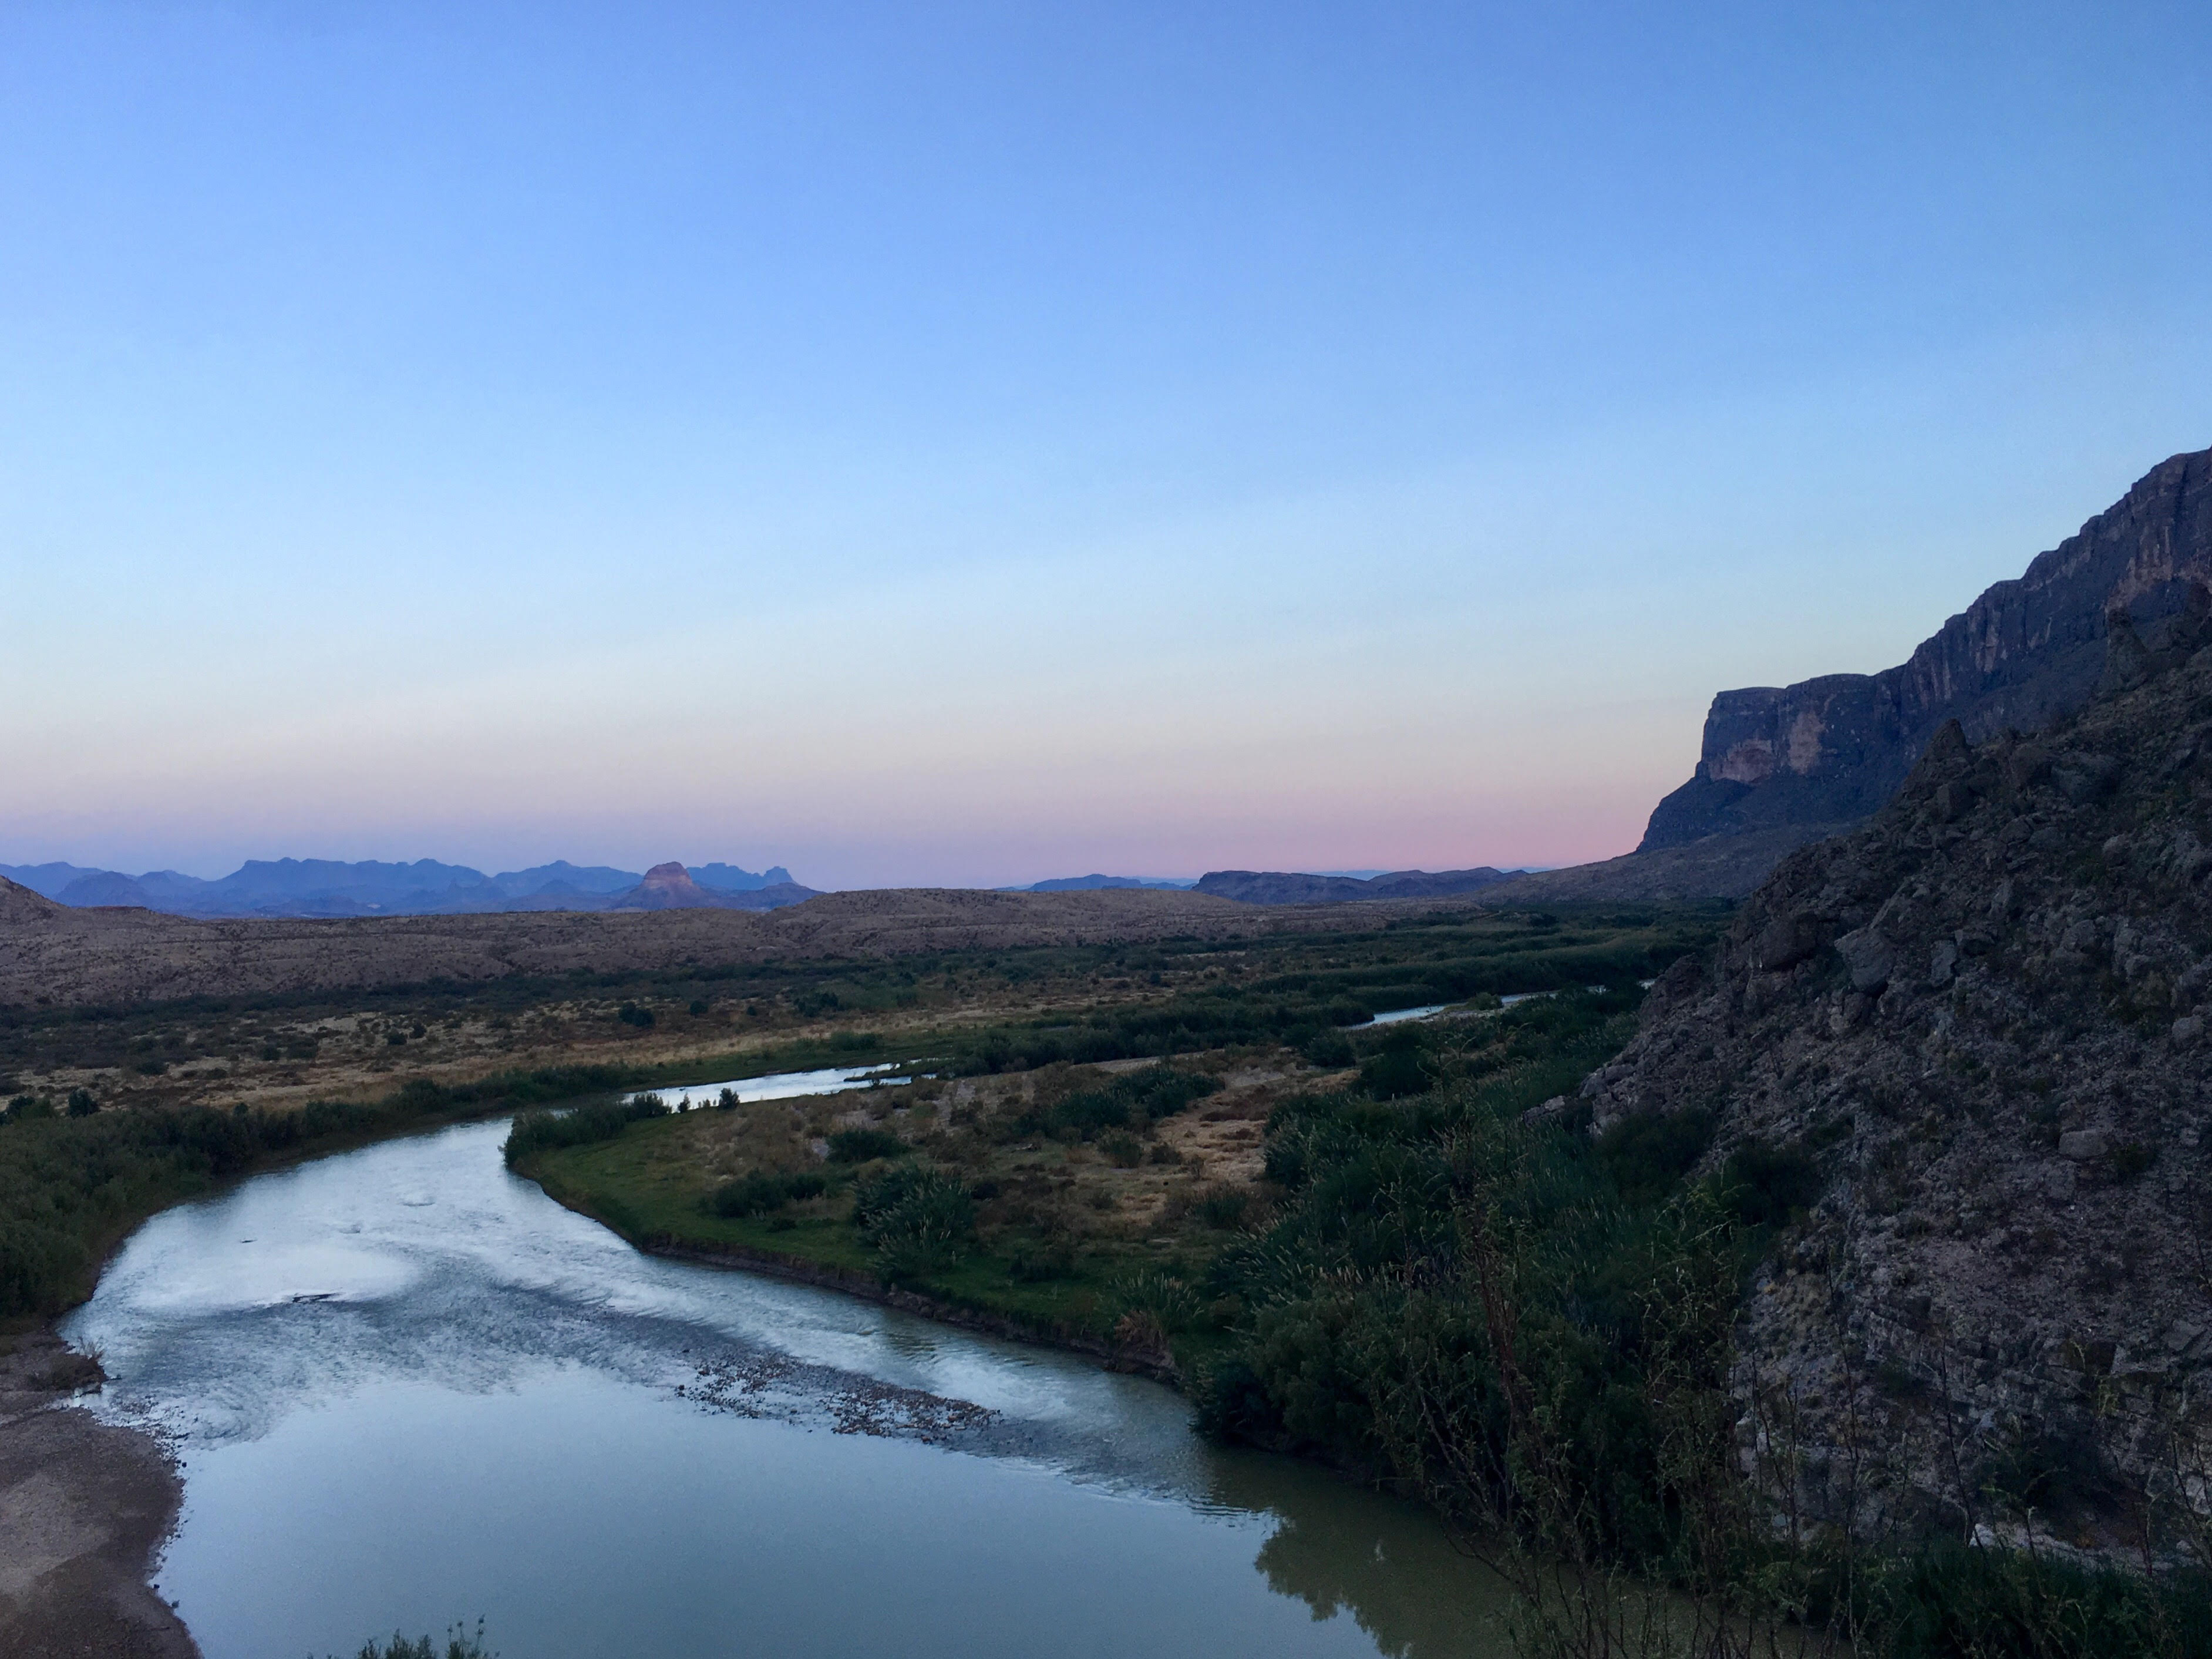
x: 407, y: 1389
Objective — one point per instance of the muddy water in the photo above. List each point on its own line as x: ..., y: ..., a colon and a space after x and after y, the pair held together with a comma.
x: 407, y: 1389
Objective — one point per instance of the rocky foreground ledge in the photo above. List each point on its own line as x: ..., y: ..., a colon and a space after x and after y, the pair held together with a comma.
x: 84, y: 1506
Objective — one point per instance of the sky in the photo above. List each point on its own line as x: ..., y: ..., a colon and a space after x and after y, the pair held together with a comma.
x: 968, y: 444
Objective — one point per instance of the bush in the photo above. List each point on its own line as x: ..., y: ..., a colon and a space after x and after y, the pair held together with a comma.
x: 1647, y: 1153
x: 81, y: 1103
x: 859, y: 1146
x: 1038, y: 1264
x: 1171, y: 1303
x: 582, y: 1126
x: 1122, y: 1150
x: 762, y: 1191
x: 916, y: 1217
x: 1132, y: 1102
x: 1328, y: 1050
x: 1224, y: 1207
x: 631, y: 1014
x: 459, y: 1645
x: 1398, y: 1069
x: 1949, y: 1599
x: 1761, y: 1185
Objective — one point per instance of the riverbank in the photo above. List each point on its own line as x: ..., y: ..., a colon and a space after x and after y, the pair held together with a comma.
x: 1078, y: 1207
x: 84, y: 1508
x: 1082, y: 1309
x: 1157, y: 1364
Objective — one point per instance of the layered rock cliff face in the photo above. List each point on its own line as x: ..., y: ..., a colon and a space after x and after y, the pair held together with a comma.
x: 1834, y: 749
x: 1964, y: 1049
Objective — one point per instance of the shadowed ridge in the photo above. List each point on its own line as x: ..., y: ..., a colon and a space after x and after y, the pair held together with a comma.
x: 21, y: 905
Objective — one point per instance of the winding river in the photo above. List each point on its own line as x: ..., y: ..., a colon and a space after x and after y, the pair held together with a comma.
x: 407, y: 1389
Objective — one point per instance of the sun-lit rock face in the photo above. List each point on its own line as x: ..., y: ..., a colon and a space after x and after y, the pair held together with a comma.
x: 1833, y: 749
x: 666, y: 887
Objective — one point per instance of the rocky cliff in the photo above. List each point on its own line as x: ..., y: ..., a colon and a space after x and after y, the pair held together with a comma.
x: 1958, y: 1058
x: 1834, y: 749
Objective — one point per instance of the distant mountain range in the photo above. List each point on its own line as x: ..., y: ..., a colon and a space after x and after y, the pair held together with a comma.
x: 324, y: 887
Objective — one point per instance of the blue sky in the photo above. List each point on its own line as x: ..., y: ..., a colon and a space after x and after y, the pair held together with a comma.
x: 975, y: 443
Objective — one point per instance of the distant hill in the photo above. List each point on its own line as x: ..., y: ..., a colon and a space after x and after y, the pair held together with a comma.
x: 564, y: 877
x: 105, y: 888
x: 325, y: 887
x: 731, y: 879
x: 1285, y: 887
x: 671, y: 887
x: 48, y: 880
x: 1095, y: 884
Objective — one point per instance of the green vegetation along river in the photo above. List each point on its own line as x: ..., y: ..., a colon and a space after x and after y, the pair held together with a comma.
x: 406, y: 1387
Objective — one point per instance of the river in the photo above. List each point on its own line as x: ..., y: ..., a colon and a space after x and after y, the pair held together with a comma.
x: 406, y: 1388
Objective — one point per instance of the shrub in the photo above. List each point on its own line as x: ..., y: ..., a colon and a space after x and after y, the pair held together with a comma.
x: 631, y: 1014
x: 1328, y: 1050
x: 1036, y: 1264
x: 859, y: 1146
x: 1648, y: 1152
x: 1947, y: 1599
x: 762, y: 1191
x: 459, y: 1645
x: 81, y: 1103
x: 1133, y: 1100
x: 916, y: 1217
x: 583, y: 1126
x: 1761, y: 1185
x: 1173, y: 1304
x: 1398, y: 1069
x: 1224, y: 1207
x: 1122, y: 1150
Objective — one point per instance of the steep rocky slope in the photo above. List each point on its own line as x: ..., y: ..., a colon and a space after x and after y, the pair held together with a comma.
x: 1966, y: 1047
x: 1833, y: 749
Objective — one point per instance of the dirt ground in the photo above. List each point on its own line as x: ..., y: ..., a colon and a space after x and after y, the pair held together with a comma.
x: 84, y: 1507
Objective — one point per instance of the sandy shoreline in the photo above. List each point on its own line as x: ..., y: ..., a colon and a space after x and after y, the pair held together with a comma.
x: 84, y: 1508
